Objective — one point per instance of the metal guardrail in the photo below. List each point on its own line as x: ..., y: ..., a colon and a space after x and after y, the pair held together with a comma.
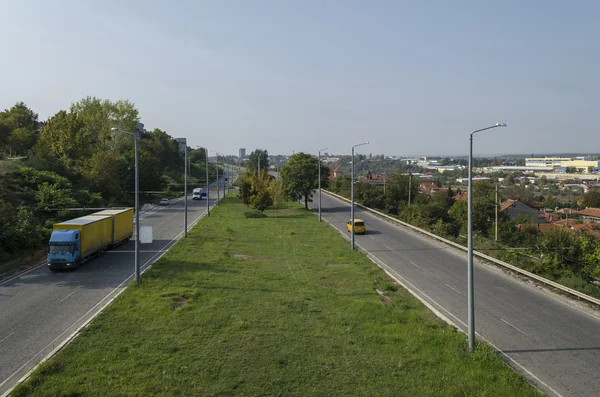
x: 545, y: 281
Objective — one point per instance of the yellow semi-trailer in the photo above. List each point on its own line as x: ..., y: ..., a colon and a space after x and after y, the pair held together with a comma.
x: 75, y: 241
x: 122, y: 224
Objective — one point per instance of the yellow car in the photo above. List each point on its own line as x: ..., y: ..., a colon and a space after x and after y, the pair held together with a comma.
x: 359, y: 226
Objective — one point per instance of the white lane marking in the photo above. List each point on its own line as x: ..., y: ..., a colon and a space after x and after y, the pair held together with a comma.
x: 144, y: 267
x: 513, y: 326
x: 414, y: 264
x: 452, y: 288
x: 424, y: 298
x: 6, y: 337
x: 68, y: 296
x: 108, y: 268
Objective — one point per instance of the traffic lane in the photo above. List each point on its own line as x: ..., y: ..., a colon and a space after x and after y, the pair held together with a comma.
x: 556, y: 341
x: 40, y: 306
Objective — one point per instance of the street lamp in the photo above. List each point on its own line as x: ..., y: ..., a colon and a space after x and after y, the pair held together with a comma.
x: 383, y: 176
x: 207, y: 183
x: 320, y: 181
x: 470, y: 284
x: 185, y: 196
x: 352, y: 196
x: 136, y: 135
x: 218, y: 189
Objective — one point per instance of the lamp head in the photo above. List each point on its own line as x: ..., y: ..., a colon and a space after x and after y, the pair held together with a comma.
x: 500, y: 124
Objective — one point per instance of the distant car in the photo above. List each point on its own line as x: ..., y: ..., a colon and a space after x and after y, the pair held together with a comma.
x: 359, y: 226
x: 164, y: 201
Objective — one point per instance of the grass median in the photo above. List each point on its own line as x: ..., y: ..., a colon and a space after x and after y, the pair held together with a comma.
x: 265, y: 307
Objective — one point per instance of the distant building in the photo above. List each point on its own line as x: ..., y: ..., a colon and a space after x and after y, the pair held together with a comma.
x: 242, y: 154
x: 545, y: 161
x: 514, y: 209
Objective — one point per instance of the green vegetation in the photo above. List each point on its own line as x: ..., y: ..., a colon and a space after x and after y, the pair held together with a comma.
x: 75, y: 159
x: 562, y: 255
x: 274, y: 306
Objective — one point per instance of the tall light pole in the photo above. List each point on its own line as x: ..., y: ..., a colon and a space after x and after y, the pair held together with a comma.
x: 319, y: 180
x: 352, y: 196
x: 136, y: 135
x: 207, y: 183
x: 470, y: 284
x: 383, y: 175
x: 185, y: 197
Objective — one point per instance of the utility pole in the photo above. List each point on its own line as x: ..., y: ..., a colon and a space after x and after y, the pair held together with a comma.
x: 185, y: 221
x: 409, y: 186
x: 207, y: 183
x: 497, y: 204
x: 258, y: 155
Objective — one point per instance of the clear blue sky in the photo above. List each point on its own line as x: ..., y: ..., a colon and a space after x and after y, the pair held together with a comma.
x: 412, y: 77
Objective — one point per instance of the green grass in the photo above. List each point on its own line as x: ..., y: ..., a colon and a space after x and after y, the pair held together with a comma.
x: 269, y: 307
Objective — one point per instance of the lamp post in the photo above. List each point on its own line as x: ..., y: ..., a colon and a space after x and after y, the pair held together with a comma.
x: 470, y: 283
x: 383, y: 175
x: 320, y: 181
x: 136, y: 135
x: 352, y: 196
x: 185, y: 197
x: 207, y: 183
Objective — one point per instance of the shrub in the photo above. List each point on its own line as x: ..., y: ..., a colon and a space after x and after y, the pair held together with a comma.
x: 254, y: 214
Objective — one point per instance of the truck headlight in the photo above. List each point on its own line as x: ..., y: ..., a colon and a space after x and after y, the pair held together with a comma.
x: 68, y: 264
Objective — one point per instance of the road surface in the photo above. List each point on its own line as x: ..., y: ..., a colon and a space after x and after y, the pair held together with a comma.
x: 556, y: 345
x: 40, y: 309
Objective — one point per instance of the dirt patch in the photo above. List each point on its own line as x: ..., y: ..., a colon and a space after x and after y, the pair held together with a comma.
x: 242, y: 256
x: 384, y: 298
x: 176, y: 301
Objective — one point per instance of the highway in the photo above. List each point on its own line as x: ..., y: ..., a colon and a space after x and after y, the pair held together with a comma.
x: 40, y: 309
x: 553, y: 343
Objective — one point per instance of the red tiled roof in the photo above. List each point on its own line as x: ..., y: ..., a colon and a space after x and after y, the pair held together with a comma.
x: 566, y: 211
x: 566, y: 222
x: 461, y: 196
x: 507, y: 204
x: 593, y: 212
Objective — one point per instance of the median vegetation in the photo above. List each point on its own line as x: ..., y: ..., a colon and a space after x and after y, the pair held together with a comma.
x: 270, y: 306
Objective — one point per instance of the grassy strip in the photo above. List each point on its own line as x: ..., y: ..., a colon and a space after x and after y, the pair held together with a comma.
x: 273, y: 306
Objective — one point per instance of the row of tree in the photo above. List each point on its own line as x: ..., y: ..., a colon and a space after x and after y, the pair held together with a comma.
x: 76, y: 159
x: 298, y: 179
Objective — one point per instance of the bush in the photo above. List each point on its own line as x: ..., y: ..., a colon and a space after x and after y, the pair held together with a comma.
x: 254, y: 214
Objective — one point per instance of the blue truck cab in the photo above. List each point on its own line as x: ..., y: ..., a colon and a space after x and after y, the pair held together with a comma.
x: 65, y: 249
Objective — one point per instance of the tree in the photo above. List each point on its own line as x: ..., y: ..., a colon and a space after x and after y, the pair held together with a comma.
x: 277, y: 193
x: 21, y: 140
x: 590, y: 199
x: 262, y: 198
x: 17, y: 128
x: 244, y: 183
x: 62, y: 139
x: 300, y: 176
x: 253, y: 160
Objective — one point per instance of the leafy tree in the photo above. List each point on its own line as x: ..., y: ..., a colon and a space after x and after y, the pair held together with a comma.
x: 21, y: 140
x: 253, y: 160
x: 590, y: 199
x: 52, y: 195
x: 62, y: 139
x: 17, y: 128
x: 244, y: 184
x: 262, y: 198
x: 300, y: 176
x: 277, y: 193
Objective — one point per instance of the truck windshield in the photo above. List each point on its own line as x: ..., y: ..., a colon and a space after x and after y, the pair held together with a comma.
x: 60, y: 248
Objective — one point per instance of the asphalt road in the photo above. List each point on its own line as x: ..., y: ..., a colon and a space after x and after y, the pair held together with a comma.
x: 556, y: 345
x: 40, y: 309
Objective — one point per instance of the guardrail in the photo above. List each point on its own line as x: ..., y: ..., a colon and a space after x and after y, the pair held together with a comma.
x: 545, y: 281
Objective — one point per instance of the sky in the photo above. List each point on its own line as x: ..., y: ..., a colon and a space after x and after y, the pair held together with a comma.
x: 410, y: 77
